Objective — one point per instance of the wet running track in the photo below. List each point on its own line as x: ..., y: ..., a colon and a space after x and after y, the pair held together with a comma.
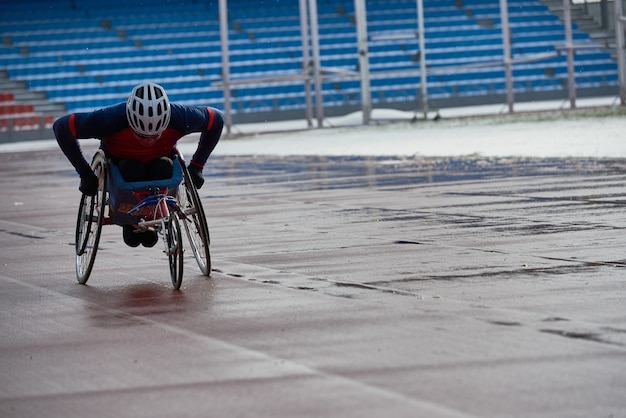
x: 342, y: 287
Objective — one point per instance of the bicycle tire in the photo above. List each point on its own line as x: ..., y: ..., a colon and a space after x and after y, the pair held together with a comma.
x: 174, y: 240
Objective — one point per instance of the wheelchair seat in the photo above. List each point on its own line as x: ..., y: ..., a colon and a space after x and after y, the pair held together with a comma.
x: 124, y: 196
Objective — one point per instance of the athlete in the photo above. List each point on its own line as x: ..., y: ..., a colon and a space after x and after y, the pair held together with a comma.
x: 139, y: 136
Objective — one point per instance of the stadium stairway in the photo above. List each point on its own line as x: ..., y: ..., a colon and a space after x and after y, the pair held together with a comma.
x: 24, y: 115
x: 84, y: 54
x: 601, y: 32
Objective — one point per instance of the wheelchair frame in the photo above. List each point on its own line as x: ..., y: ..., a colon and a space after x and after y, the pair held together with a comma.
x: 168, y: 212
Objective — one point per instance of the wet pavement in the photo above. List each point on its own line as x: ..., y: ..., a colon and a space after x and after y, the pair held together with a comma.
x: 342, y: 286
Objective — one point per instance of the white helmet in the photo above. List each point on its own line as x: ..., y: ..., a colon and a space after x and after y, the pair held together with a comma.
x: 148, y: 110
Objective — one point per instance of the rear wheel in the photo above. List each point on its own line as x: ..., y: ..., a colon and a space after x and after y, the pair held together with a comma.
x: 194, y: 222
x: 89, y: 222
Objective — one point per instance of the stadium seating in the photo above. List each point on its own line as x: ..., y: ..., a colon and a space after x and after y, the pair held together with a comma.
x: 89, y: 53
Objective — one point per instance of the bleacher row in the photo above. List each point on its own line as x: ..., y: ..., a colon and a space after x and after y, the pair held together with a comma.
x: 89, y: 53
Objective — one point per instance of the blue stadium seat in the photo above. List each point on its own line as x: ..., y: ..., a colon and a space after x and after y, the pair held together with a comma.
x: 91, y: 54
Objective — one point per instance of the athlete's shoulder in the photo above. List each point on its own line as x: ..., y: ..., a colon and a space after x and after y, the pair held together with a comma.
x: 188, y: 118
x: 114, y: 113
x: 97, y: 123
x: 103, y: 121
x: 187, y: 110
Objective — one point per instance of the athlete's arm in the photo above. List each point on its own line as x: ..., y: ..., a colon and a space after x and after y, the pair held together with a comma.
x: 70, y: 128
x: 206, y: 120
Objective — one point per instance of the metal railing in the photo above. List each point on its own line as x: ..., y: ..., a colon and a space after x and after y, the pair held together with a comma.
x: 313, y: 73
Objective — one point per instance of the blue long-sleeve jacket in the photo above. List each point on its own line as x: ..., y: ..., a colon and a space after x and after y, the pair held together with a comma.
x: 110, y: 126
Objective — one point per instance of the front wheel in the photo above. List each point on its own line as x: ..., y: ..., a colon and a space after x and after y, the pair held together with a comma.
x: 174, y: 246
x: 89, y: 222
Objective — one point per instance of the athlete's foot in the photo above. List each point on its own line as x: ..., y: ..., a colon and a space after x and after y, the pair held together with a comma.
x: 131, y: 238
x: 149, y: 239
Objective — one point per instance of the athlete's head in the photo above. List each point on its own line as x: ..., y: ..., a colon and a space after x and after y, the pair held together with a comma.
x: 148, y: 111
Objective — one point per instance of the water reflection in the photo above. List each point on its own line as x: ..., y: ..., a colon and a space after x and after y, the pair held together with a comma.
x: 328, y: 172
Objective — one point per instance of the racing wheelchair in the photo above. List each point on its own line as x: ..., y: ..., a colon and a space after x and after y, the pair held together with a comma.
x: 159, y: 205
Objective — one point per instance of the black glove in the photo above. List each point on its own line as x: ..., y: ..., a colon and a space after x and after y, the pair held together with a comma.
x: 89, y: 184
x: 195, y: 173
